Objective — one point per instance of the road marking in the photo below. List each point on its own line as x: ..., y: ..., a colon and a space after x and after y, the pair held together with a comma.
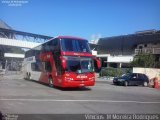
x: 101, y: 101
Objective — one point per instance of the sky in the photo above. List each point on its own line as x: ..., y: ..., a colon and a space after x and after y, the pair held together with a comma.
x: 82, y: 18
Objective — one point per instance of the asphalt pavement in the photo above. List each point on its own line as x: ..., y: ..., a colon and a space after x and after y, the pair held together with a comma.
x: 19, y: 96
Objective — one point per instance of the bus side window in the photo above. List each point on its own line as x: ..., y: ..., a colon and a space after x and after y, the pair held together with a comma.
x: 47, y: 47
x: 48, y: 67
x: 55, y: 44
x: 56, y: 55
x: 51, y: 45
x: 35, y: 67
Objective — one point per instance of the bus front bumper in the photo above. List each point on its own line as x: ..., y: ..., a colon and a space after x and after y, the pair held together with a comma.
x: 76, y: 83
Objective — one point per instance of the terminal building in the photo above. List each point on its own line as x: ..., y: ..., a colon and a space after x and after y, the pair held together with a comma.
x: 6, y: 58
x: 118, y: 51
x: 12, y: 46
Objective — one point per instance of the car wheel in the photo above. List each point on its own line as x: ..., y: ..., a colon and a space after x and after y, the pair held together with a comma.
x: 50, y: 80
x: 125, y: 83
x: 114, y: 83
x: 145, y: 84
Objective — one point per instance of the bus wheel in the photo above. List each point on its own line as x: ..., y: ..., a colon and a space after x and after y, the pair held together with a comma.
x: 28, y: 76
x: 50, y: 80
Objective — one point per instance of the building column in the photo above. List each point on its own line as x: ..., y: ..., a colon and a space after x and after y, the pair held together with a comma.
x: 119, y: 65
x: 108, y: 65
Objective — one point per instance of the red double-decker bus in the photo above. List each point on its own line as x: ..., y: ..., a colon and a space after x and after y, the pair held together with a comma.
x: 62, y: 61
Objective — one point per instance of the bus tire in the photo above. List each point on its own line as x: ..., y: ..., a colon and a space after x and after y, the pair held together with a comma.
x: 28, y: 76
x: 50, y: 81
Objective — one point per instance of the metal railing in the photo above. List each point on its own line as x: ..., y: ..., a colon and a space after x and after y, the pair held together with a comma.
x: 147, y: 51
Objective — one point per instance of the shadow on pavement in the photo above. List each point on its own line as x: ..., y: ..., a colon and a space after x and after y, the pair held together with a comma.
x: 62, y: 89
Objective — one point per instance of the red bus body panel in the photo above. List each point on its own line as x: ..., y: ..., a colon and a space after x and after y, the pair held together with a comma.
x: 66, y: 79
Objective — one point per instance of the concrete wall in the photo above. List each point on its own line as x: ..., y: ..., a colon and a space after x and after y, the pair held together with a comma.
x: 150, y: 72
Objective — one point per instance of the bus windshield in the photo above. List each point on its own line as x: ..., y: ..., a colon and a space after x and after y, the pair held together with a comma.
x: 73, y: 45
x: 79, y: 66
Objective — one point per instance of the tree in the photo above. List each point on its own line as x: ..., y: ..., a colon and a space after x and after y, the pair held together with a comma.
x: 144, y: 60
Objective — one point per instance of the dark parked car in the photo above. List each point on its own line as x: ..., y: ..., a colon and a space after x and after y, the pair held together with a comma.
x: 132, y: 79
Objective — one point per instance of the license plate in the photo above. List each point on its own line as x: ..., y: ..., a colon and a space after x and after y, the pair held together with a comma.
x: 81, y: 76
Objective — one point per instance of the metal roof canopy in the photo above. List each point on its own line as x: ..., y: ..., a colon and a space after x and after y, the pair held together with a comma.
x: 126, y: 44
x: 18, y: 43
x: 25, y: 33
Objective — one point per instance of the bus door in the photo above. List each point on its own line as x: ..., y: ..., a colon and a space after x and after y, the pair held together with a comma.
x: 47, y: 69
x: 58, y: 69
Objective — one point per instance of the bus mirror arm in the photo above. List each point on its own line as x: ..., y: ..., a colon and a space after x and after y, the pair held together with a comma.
x: 63, y: 63
x: 97, y: 64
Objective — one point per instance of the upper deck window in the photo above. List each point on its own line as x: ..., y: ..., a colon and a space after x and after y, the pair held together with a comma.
x: 73, y: 45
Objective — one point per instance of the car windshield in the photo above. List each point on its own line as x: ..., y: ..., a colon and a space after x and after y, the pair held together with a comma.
x: 74, y: 45
x: 80, y: 65
x: 125, y: 76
